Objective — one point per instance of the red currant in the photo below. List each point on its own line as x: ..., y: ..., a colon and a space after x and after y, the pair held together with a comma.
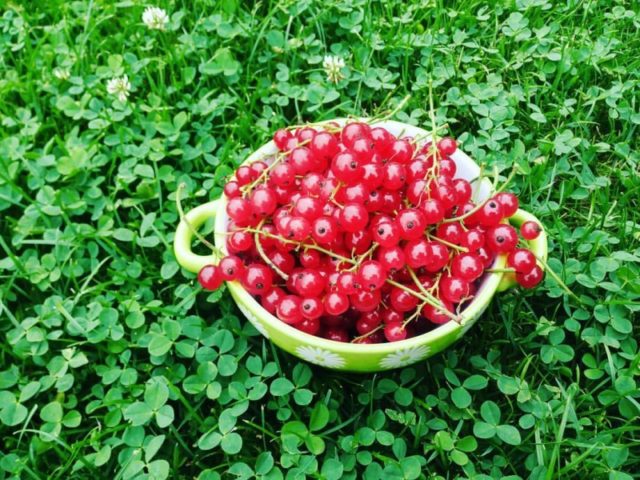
x: 231, y: 268
x: 502, y: 239
x: 394, y: 332
x: 210, y: 277
x: 531, y: 278
x: 288, y: 310
x: 447, y: 146
x: 530, y: 230
x: 336, y: 303
x: 257, y: 279
x: 521, y: 260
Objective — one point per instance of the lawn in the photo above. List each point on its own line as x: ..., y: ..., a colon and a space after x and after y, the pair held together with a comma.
x: 114, y: 363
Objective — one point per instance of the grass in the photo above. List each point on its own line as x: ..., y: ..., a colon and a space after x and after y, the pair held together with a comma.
x: 115, y: 365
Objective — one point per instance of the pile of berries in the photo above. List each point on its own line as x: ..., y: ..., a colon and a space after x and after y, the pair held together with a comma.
x: 358, y: 236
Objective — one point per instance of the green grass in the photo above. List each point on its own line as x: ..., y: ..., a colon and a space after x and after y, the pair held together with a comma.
x: 113, y: 362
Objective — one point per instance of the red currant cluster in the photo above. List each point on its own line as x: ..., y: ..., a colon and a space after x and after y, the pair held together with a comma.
x: 356, y: 235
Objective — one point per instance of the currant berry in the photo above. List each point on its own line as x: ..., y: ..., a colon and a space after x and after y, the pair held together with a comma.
x: 521, y: 260
x: 353, y: 217
x: 412, y: 223
x: 348, y: 283
x: 311, y: 308
x: 283, y: 175
x: 392, y: 258
x: 382, y: 140
x: 324, y: 146
x: 530, y: 230
x: 272, y: 298
x: 346, y: 168
x: 401, y: 151
x: 386, y: 234
x: 263, y: 202
x: 472, y: 239
x: 307, y: 207
x: 463, y: 191
x: 305, y: 134
x: 402, y: 301
x: 453, y: 288
x: 371, y: 275
x: 210, y: 277
x: 231, y: 267
x: 438, y: 315
x: 357, y: 242
x: 417, y: 252
x: 288, y: 310
x: 283, y: 260
x: 309, y: 325
x: 324, y: 230
x: 302, y: 160
x: 310, y: 258
x: 354, y: 131
x: 336, y: 303
x: 509, y: 203
x: 239, y: 210
x: 244, y: 175
x: 531, y: 278
x: 433, y: 211
x: 394, y: 175
x: 240, y: 241
x: 337, y: 335
x: 298, y: 229
x: 438, y: 257
x: 491, y: 213
x: 281, y: 137
x: 365, y: 301
x: 502, y: 239
x: 232, y: 189
x: 258, y: 167
x: 452, y: 232
x: 372, y: 175
x: 257, y: 279
x: 310, y: 283
x: 467, y: 266
x: 447, y: 146
x: 394, y: 332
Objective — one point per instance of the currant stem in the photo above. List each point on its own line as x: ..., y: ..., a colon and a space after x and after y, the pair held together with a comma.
x: 368, y: 334
x: 448, y: 244
x: 480, y: 205
x: 183, y: 218
x: 557, y: 278
x: 431, y: 301
x: 303, y: 245
x: 263, y: 255
x: 391, y: 113
x: 500, y: 270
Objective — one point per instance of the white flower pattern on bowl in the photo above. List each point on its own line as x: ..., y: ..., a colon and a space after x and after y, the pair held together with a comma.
x: 404, y: 357
x: 320, y: 356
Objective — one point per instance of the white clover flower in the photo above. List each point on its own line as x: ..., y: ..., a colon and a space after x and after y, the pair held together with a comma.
x: 404, y: 357
x: 61, y: 73
x: 119, y: 87
x: 155, y: 18
x: 332, y: 66
x: 321, y: 357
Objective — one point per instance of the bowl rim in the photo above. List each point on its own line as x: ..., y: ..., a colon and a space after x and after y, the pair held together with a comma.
x: 468, y: 316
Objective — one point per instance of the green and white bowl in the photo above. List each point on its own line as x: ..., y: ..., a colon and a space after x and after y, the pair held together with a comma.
x: 347, y: 356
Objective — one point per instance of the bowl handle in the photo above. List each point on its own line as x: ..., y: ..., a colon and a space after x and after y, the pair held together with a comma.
x: 538, y: 246
x: 182, y: 240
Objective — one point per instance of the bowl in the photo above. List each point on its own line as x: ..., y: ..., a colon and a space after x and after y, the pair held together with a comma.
x: 347, y: 356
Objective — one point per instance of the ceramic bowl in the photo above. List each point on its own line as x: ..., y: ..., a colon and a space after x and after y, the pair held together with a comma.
x: 348, y: 356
